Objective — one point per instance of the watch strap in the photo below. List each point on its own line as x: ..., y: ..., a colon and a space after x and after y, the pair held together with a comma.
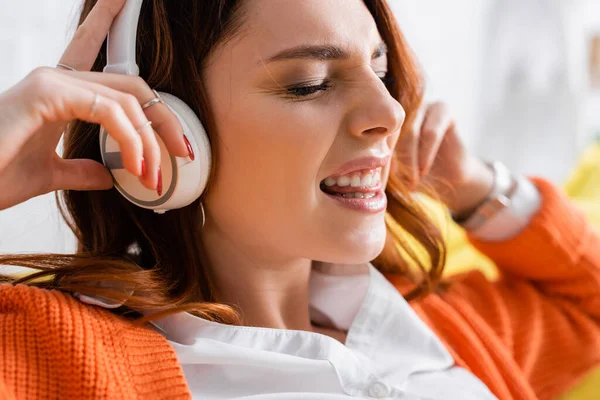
x: 505, y: 186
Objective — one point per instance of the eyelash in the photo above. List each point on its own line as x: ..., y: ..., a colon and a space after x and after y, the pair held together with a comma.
x: 304, y: 91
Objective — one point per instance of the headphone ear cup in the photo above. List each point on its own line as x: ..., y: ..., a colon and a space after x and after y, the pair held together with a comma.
x: 184, y: 180
x: 199, y: 140
x: 192, y: 127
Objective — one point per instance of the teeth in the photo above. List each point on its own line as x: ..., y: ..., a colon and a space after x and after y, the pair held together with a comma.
x: 366, y: 180
x: 329, y: 182
x: 370, y: 178
x: 358, y: 195
x: 343, y: 181
x: 376, y: 178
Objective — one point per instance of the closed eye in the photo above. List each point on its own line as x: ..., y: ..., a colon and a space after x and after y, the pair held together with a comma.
x: 304, y: 91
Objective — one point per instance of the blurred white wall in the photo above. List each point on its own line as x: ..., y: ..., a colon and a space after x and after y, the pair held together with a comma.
x: 450, y: 38
x: 536, y: 86
x: 447, y: 38
x: 33, y: 33
x: 514, y: 73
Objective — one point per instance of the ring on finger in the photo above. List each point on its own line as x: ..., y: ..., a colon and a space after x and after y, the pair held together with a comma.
x: 145, y: 124
x: 152, y: 102
x: 94, y: 105
x: 65, y: 66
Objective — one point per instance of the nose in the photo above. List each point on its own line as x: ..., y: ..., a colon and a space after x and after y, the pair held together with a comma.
x: 374, y: 112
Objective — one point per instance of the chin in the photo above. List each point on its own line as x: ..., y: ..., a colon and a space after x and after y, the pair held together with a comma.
x: 357, y: 247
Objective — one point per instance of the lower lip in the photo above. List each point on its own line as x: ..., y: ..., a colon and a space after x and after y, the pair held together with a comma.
x: 373, y: 205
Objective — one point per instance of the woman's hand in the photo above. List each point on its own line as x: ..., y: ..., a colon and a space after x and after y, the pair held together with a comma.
x: 34, y: 114
x: 435, y: 156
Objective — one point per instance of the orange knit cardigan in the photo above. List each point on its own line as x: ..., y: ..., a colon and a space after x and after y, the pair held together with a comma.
x: 531, y: 335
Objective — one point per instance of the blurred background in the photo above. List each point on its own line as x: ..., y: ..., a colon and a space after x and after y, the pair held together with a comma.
x: 521, y: 76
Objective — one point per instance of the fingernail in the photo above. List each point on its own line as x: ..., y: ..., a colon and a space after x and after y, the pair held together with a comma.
x: 159, y: 185
x: 189, y: 147
x: 143, y: 168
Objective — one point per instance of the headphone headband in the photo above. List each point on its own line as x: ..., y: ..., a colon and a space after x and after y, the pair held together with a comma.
x: 122, y: 40
x: 184, y: 179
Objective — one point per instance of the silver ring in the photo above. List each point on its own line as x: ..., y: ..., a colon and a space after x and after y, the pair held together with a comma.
x: 152, y: 102
x: 65, y: 66
x: 95, y: 105
x: 147, y: 123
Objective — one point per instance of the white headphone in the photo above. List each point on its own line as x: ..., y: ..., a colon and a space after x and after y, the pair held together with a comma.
x: 183, y: 180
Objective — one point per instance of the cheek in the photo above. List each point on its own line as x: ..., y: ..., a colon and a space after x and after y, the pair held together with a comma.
x: 268, y: 158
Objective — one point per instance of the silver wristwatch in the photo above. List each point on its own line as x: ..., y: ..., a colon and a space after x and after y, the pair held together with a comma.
x: 505, y: 186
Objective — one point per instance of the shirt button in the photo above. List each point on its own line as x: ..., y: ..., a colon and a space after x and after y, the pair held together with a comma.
x: 378, y: 390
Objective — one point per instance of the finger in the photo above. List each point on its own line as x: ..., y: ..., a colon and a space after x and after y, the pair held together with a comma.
x: 63, y: 99
x: 134, y: 112
x: 80, y: 174
x: 437, y: 122
x: 81, y: 53
x: 151, y: 157
x: 164, y: 122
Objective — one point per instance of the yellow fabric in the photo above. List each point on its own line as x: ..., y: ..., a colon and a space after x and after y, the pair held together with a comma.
x: 583, y: 187
x: 461, y: 255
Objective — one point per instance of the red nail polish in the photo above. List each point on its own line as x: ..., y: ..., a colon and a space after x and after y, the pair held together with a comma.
x: 143, y: 168
x: 159, y: 185
x: 189, y: 147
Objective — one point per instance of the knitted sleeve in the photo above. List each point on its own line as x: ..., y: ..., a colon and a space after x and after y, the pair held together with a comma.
x: 4, y: 393
x: 545, y: 308
x: 52, y: 346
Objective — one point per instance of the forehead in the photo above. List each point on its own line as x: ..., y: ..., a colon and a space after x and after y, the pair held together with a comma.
x: 275, y: 24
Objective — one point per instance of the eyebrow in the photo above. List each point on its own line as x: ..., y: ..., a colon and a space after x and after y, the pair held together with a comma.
x: 321, y: 52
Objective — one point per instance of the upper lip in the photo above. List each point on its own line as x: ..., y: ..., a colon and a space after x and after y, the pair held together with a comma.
x: 360, y: 164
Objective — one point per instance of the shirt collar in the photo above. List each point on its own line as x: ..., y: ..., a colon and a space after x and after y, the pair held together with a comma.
x: 355, y: 297
x: 336, y: 294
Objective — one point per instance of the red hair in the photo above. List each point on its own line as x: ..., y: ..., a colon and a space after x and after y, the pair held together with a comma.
x: 170, y: 274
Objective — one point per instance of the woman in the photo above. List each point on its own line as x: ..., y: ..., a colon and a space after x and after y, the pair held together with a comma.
x: 271, y: 295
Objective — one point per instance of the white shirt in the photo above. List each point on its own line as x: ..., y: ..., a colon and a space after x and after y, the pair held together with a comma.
x: 389, y: 352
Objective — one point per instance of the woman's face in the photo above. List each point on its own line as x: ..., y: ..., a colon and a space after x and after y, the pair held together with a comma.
x: 290, y: 158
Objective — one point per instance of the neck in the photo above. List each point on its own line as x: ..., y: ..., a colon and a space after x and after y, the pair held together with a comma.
x: 269, y: 293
